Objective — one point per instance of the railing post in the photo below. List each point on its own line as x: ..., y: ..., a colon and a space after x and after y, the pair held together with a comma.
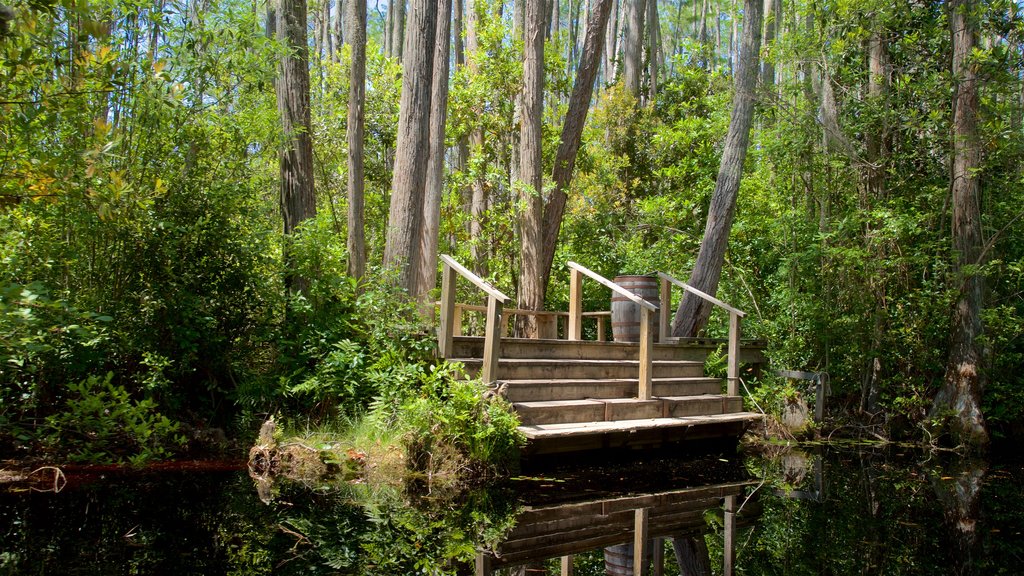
x: 446, y: 335
x: 602, y: 327
x: 664, y: 303
x: 492, y: 340
x: 575, y: 305
x: 733, y: 372
x: 646, y: 356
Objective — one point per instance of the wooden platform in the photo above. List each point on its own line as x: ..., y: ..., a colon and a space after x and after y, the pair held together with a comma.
x: 576, y: 395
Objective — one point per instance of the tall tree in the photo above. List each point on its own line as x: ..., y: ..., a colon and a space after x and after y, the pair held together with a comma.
x: 572, y: 130
x: 963, y: 384
x: 356, y: 18
x: 531, y: 295
x: 693, y: 312
x: 298, y: 198
x: 478, y: 203
x: 405, y: 215
x: 632, y: 44
x: 435, y: 167
x: 772, y: 10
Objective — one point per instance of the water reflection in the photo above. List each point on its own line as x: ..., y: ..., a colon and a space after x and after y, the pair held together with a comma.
x: 840, y: 511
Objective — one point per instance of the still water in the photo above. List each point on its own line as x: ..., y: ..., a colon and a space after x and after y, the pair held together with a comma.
x: 829, y: 510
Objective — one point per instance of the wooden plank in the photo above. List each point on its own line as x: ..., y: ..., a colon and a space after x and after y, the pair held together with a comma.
x: 446, y: 335
x: 566, y: 565
x: 702, y: 294
x: 646, y: 355
x: 733, y: 370
x: 492, y: 341
x: 575, y: 305
x: 613, y: 286
x: 476, y: 280
x: 548, y: 431
x: 665, y: 299
x: 729, y: 555
x: 640, y: 542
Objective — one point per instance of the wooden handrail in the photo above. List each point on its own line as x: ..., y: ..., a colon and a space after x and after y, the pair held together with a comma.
x: 492, y: 327
x: 701, y: 294
x: 645, y: 378
x: 735, y: 315
x: 476, y: 280
x: 614, y: 287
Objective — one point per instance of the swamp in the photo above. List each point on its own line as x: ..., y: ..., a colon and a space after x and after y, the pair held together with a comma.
x: 843, y: 508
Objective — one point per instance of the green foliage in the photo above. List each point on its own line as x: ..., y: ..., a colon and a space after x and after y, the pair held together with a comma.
x: 448, y: 413
x: 100, y: 422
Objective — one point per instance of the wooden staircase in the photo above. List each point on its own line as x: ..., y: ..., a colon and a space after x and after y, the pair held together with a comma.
x: 582, y: 395
x: 575, y: 395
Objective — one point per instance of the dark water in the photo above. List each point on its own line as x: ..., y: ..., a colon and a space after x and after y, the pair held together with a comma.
x: 842, y: 510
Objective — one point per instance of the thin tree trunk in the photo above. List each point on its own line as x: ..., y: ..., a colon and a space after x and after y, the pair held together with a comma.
x: 770, y: 25
x: 572, y: 131
x: 963, y: 384
x: 340, y: 14
x: 653, y: 49
x: 298, y: 197
x: 632, y: 44
x: 435, y: 167
x: 610, y: 45
x: 692, y: 555
x: 405, y: 217
x: 356, y: 18
x: 531, y: 295
x: 478, y: 209
x: 693, y: 312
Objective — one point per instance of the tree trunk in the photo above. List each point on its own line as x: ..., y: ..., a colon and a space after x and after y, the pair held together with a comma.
x: 653, y: 48
x: 435, y: 167
x: 693, y: 312
x: 356, y: 18
x: 531, y: 295
x: 478, y: 205
x: 405, y: 217
x: 692, y: 555
x: 572, y: 131
x: 396, y: 35
x: 963, y: 384
x: 298, y: 197
x: 611, y: 44
x: 632, y: 44
x: 770, y: 26
x: 340, y: 14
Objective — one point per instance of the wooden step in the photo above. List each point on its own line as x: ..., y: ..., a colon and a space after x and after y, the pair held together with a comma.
x: 579, y: 429
x: 537, y: 390
x: 547, y: 368
x: 473, y: 347
x: 609, y: 409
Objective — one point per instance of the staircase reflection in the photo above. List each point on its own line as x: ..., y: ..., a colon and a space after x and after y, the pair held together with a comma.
x: 631, y: 529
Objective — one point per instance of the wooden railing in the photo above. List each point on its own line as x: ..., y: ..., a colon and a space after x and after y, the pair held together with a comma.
x: 733, y: 360
x: 492, y: 330
x: 575, y: 331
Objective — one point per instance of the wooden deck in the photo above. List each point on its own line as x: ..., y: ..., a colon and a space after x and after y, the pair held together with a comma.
x: 574, y: 395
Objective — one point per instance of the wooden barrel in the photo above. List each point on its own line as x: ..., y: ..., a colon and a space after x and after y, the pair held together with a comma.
x: 626, y: 313
x: 618, y: 560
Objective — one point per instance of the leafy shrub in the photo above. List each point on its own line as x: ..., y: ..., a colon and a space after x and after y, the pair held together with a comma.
x: 102, y: 423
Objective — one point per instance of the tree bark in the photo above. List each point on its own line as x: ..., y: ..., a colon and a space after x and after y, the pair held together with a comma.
x: 340, y: 15
x: 356, y: 18
x: 653, y: 36
x: 297, y: 195
x: 692, y: 555
x: 396, y: 34
x: 611, y: 44
x: 693, y: 312
x: 771, y: 11
x: 572, y: 131
x: 632, y: 44
x: 405, y: 217
x: 531, y: 295
x: 478, y: 204
x: 435, y: 166
x: 963, y: 384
